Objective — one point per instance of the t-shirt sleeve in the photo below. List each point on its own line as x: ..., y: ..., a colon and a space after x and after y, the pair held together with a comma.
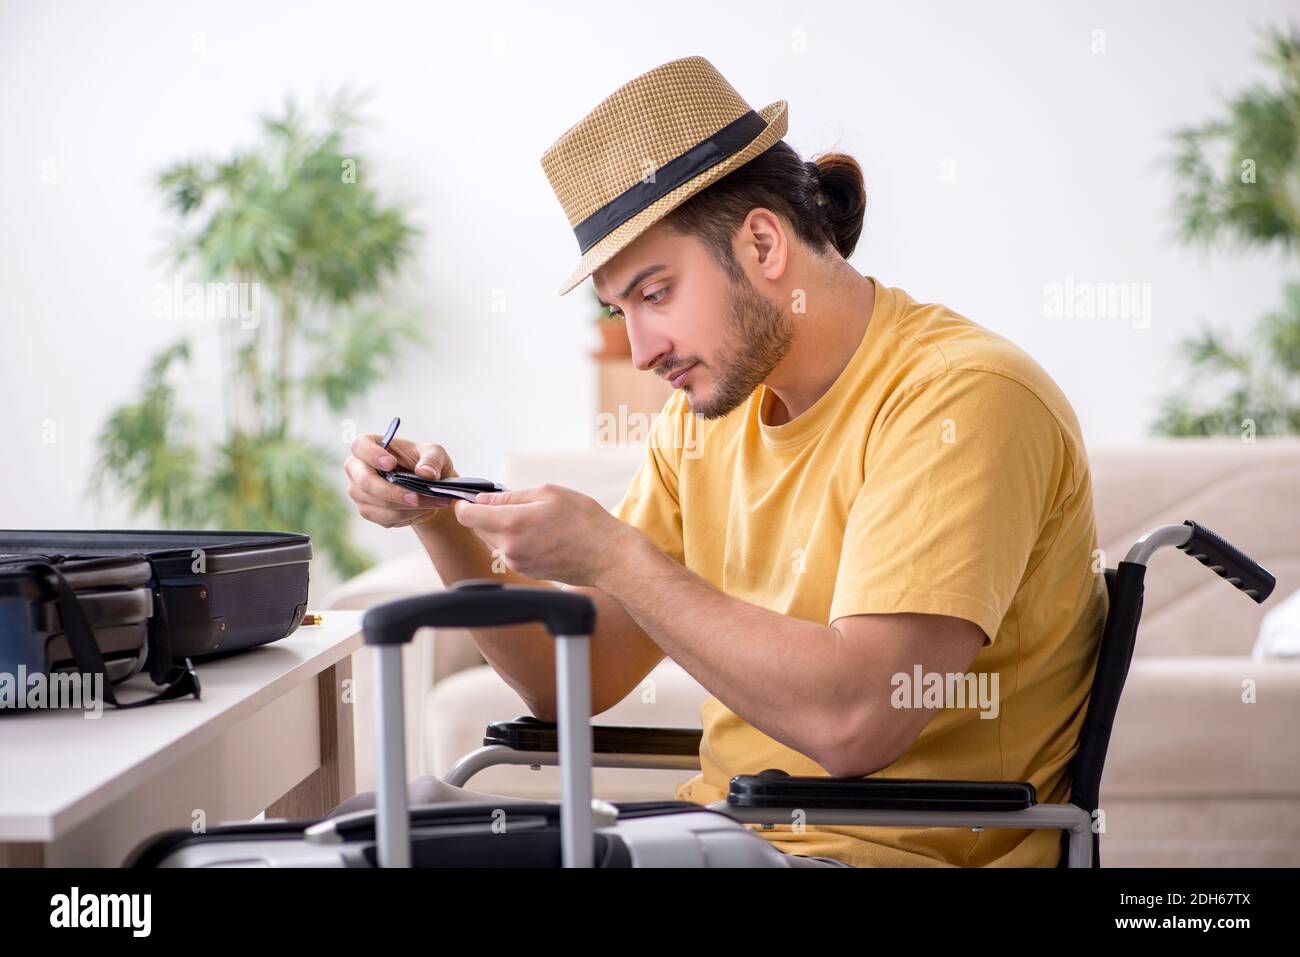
x: 959, y: 481
x: 652, y: 500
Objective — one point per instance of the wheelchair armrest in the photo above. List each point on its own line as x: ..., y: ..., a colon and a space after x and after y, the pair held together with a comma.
x: 527, y: 733
x: 776, y: 789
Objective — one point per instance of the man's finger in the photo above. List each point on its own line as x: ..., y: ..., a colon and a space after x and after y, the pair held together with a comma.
x: 367, y: 486
x: 476, y: 516
x: 400, y: 452
x: 366, y: 448
x: 433, y: 461
x: 520, y: 496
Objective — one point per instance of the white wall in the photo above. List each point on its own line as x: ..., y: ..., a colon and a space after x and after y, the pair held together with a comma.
x: 1054, y: 148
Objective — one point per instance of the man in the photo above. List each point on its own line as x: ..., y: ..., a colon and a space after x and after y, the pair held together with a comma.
x: 850, y: 500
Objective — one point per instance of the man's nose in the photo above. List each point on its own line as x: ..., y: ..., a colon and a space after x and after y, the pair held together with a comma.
x: 648, y: 346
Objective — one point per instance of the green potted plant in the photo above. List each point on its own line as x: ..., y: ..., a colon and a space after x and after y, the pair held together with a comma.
x: 1238, y: 182
x: 293, y: 227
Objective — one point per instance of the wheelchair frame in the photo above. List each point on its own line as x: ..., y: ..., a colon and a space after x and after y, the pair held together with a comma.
x: 766, y: 798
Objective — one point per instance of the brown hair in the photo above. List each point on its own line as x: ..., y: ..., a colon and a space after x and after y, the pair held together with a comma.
x: 825, y: 201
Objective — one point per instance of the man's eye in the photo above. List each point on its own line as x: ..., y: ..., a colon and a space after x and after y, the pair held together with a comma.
x: 656, y: 297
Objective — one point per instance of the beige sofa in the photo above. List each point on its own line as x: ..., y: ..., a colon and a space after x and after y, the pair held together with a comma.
x: 1195, y: 775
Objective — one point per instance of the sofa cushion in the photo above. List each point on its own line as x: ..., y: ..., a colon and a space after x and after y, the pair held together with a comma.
x: 1244, y: 491
x: 1183, y: 730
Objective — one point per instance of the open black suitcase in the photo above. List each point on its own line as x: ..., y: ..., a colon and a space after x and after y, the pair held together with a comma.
x: 122, y: 602
x: 221, y: 591
x: 577, y: 832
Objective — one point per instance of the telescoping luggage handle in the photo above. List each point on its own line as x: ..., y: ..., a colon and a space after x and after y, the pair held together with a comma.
x: 483, y: 603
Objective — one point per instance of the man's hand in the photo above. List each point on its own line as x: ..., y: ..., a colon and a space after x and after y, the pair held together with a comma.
x: 549, y: 532
x: 391, y: 505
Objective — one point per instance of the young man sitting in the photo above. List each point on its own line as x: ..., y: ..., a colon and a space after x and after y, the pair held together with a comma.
x: 850, y: 500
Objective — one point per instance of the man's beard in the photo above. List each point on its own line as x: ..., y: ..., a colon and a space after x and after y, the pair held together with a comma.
x: 760, y: 335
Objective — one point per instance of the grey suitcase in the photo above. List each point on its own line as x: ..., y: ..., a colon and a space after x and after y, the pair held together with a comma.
x: 578, y: 832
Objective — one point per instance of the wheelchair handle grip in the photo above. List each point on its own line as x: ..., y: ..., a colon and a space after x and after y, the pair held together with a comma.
x: 1229, y: 562
x: 479, y: 603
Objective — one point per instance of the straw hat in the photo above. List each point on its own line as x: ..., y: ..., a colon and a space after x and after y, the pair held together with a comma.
x: 645, y: 149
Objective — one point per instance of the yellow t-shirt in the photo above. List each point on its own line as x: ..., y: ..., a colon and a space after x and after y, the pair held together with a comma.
x: 943, y: 472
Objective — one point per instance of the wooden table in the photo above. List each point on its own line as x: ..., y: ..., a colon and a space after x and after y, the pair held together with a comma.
x: 272, y: 731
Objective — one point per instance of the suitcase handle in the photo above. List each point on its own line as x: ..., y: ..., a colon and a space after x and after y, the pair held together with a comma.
x: 479, y: 603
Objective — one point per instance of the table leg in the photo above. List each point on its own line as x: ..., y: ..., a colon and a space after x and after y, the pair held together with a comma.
x: 336, y: 778
x: 25, y: 854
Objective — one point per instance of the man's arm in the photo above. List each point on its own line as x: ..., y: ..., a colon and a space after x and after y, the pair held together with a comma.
x: 823, y: 690
x: 621, y: 652
x: 524, y: 655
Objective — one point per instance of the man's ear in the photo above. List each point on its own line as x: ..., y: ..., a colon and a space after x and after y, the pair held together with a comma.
x: 764, y: 244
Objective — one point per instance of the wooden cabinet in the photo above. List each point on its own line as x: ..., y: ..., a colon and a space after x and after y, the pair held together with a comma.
x: 621, y: 384
x: 624, y: 394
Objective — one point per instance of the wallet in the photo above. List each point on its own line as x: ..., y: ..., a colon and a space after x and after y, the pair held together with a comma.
x: 465, y: 488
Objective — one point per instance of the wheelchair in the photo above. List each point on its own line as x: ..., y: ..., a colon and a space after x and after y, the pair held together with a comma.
x: 772, y: 797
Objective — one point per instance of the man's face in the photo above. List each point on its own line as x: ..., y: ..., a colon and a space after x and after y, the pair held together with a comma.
x: 687, y: 320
